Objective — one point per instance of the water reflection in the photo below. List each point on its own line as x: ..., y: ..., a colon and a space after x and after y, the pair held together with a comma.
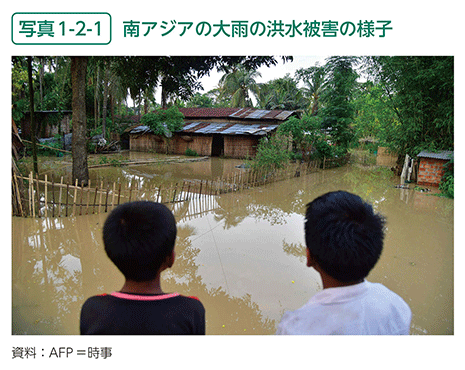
x: 243, y: 255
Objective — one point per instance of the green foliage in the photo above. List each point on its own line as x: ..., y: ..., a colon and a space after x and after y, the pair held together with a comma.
x: 19, y: 107
x: 308, y: 137
x: 338, y: 111
x: 57, y: 143
x: 191, y: 152
x: 200, y: 101
x: 112, y: 161
x: 314, y: 79
x: 271, y: 153
x: 420, y: 91
x: 323, y: 149
x: 447, y: 182
x: 374, y: 118
x: 164, y: 122
x: 281, y: 93
x: 236, y: 84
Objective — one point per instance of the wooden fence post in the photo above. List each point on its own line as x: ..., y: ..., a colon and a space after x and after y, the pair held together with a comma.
x: 59, y: 197
x: 53, y: 198
x: 88, y: 198
x: 38, y: 195
x: 45, y: 197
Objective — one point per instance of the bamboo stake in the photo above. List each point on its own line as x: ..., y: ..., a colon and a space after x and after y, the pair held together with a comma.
x: 175, y: 188
x: 53, y: 198
x: 59, y: 197
x: 106, y: 199
x: 119, y: 193
x: 18, y: 195
x: 75, y: 196
x: 45, y: 197
x: 88, y: 196
x: 95, y: 198
x: 49, y: 147
x: 67, y: 196
x: 38, y: 195
x: 137, y: 190
x: 182, y: 189
x: 80, y: 206
x: 30, y: 194
x: 100, y: 197
x: 113, y: 196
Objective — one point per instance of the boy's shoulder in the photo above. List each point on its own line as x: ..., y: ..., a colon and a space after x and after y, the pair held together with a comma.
x: 365, y: 305
x: 384, y: 294
x: 124, y: 298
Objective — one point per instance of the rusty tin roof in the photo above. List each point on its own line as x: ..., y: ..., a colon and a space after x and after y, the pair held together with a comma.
x: 237, y: 113
x: 229, y: 128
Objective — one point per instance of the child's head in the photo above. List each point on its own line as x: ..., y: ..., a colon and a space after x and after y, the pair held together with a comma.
x: 343, y: 235
x: 138, y: 237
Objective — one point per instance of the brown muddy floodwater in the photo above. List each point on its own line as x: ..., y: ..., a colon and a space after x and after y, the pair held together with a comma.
x: 241, y: 253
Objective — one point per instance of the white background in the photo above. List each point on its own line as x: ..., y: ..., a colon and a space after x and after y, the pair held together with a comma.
x: 419, y: 28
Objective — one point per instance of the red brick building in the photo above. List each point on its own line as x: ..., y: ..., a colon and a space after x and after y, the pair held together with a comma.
x: 229, y: 132
x: 431, y: 167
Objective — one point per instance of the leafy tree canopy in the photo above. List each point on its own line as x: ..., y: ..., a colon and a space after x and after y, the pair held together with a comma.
x: 420, y: 91
x: 164, y: 122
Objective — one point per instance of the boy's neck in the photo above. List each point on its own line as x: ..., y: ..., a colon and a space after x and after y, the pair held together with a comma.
x: 330, y: 282
x: 142, y: 287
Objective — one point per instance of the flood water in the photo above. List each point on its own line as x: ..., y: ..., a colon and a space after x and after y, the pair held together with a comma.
x: 241, y: 253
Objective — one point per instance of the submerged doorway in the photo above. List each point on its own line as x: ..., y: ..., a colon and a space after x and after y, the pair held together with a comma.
x: 217, y: 145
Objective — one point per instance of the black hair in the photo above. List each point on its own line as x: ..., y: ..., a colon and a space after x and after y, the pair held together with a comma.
x: 138, y: 236
x: 344, y: 235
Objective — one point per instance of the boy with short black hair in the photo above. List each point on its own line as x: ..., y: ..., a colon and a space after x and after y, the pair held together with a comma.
x: 139, y: 239
x: 344, y: 240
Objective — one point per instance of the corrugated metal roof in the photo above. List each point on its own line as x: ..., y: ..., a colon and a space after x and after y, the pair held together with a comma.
x: 238, y: 113
x: 228, y: 128
x: 445, y: 154
x: 224, y: 128
x: 207, y: 112
x: 284, y: 114
x: 139, y: 129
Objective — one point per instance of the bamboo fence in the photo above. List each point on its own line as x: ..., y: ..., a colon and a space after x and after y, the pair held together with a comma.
x: 47, y: 198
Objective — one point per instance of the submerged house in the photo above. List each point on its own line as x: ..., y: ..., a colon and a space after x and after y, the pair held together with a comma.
x: 431, y: 167
x: 229, y: 132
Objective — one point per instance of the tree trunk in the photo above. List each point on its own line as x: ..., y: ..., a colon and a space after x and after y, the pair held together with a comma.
x: 164, y: 96
x: 31, y: 109
x: 79, y: 148
x: 96, y: 100
x: 41, y: 81
x: 106, y: 87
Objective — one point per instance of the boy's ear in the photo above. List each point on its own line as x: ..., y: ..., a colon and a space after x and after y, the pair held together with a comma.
x: 171, y: 259
x: 310, y: 260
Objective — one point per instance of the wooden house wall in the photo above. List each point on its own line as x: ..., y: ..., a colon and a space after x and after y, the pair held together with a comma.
x: 199, y: 143
x: 240, y: 146
x: 146, y: 143
x: 234, y: 146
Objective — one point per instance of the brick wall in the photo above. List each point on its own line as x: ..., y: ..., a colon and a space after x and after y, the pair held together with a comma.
x: 430, y: 171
